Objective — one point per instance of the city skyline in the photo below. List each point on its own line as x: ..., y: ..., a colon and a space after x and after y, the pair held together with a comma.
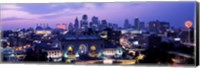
x: 100, y: 33
x: 31, y: 14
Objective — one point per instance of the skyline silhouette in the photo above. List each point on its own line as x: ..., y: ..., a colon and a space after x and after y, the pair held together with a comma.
x: 26, y: 15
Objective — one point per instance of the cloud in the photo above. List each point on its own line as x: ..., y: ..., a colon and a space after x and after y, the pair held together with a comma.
x: 102, y: 10
x: 11, y: 19
x: 18, y: 11
x: 65, y: 13
x: 17, y: 14
x: 14, y: 11
x: 92, y: 9
x: 10, y: 7
x: 53, y: 6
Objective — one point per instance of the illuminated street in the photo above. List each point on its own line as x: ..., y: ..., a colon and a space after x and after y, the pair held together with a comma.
x: 125, y: 62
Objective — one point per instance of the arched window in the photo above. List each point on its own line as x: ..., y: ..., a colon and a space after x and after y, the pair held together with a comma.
x: 93, y: 48
x: 70, y: 48
x: 82, y: 48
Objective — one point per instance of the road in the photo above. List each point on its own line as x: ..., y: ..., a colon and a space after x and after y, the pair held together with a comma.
x: 124, y: 62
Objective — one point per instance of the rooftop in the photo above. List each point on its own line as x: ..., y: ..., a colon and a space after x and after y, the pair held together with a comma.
x: 81, y: 37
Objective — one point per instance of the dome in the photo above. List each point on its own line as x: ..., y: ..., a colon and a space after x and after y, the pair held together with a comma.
x: 38, y: 28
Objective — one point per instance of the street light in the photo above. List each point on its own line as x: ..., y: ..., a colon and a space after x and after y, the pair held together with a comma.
x: 108, y: 61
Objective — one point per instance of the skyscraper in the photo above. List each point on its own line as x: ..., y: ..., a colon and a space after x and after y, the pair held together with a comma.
x: 84, y: 23
x: 136, y: 23
x: 115, y: 27
x: 154, y: 26
x: 95, y: 23
x: 164, y: 26
x: 104, y: 24
x: 141, y: 26
x: 70, y: 27
x: 127, y: 24
x: 76, y: 25
x: 110, y: 25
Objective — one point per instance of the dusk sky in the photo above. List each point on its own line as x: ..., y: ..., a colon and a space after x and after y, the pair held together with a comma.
x: 28, y: 15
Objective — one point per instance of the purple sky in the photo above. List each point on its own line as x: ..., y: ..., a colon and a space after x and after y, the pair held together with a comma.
x: 28, y: 15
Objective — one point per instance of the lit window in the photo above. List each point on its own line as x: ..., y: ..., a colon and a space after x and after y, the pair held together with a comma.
x: 70, y: 48
x: 93, y: 47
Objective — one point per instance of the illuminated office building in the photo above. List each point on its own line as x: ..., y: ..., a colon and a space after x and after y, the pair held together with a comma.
x: 84, y: 23
x: 104, y: 24
x: 54, y: 54
x: 61, y: 26
x: 95, y: 23
x: 154, y: 26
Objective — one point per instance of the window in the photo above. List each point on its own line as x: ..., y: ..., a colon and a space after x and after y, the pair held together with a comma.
x: 93, y: 48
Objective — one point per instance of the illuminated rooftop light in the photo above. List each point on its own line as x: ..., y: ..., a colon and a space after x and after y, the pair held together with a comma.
x: 108, y: 61
x: 177, y: 39
x: 188, y: 24
x: 135, y: 43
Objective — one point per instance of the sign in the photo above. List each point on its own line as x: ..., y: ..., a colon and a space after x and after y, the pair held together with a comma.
x: 188, y: 24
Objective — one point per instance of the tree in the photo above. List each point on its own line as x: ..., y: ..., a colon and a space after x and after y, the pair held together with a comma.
x: 36, y: 55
